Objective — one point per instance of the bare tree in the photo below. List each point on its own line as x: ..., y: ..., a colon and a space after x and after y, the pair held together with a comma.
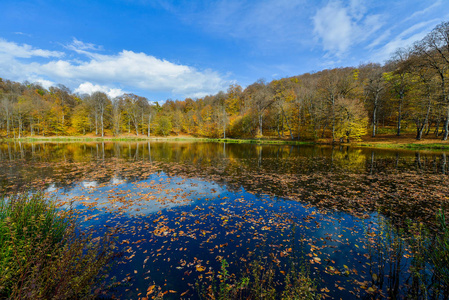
x: 434, y: 50
x: 134, y: 106
x: 333, y: 84
x: 374, y: 87
x: 261, y: 98
x: 117, y: 108
x: 399, y: 80
x: 6, y: 105
x: 220, y: 103
x: 100, y: 102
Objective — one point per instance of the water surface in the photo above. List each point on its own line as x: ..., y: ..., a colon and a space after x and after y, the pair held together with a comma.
x: 182, y: 207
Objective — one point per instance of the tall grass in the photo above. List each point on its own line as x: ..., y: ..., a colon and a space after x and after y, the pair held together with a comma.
x: 258, y: 283
x: 43, y: 255
x: 439, y: 252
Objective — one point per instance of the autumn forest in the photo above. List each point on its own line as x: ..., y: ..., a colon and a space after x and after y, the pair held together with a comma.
x: 410, y: 92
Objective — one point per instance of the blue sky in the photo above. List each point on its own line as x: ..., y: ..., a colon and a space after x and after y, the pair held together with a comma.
x: 176, y: 49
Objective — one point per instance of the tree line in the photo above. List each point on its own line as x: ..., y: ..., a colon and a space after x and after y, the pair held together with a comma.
x: 409, y: 92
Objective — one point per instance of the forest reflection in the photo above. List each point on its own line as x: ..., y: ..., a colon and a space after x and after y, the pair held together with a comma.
x: 354, y: 180
x: 333, y: 159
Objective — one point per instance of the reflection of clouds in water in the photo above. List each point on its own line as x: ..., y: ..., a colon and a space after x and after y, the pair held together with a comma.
x: 51, y: 188
x: 157, y: 192
x: 89, y: 184
x: 116, y: 180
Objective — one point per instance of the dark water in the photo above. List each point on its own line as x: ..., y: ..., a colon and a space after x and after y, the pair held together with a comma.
x: 182, y: 207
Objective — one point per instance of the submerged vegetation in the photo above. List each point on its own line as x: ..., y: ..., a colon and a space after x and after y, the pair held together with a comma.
x: 44, y: 256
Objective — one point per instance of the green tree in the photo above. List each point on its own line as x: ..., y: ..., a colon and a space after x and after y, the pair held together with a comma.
x: 351, y: 119
x: 165, y: 125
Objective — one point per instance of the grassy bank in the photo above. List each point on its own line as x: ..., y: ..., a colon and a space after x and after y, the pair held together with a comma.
x: 384, y: 141
x: 432, y: 146
x: 405, y: 141
x: 43, y: 255
x: 169, y: 138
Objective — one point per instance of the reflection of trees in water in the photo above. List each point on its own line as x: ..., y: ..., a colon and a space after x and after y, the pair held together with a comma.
x: 340, y: 178
x: 335, y: 159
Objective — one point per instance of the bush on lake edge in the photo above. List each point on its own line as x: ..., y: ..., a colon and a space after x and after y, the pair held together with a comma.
x: 44, y: 255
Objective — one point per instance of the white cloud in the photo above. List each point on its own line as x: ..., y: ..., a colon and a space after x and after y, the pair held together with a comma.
x: 44, y: 82
x: 404, y: 39
x: 333, y: 25
x: 424, y: 11
x: 340, y: 27
x: 413, y: 29
x: 22, y: 33
x: 379, y: 39
x: 83, y: 48
x: 12, y: 49
x: 108, y: 73
x: 138, y: 70
x: 89, y: 88
x: 265, y: 24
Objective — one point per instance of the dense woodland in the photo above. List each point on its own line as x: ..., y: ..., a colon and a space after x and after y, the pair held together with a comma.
x: 409, y: 92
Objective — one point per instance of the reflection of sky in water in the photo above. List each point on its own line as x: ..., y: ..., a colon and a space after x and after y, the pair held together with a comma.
x: 157, y: 192
x: 239, y: 219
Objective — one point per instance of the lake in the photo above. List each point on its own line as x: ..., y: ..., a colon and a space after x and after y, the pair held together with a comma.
x: 347, y: 215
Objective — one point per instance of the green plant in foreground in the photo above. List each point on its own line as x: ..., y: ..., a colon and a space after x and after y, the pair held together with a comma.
x: 25, y: 224
x: 258, y: 282
x: 42, y: 253
x: 298, y: 285
x: 439, y: 253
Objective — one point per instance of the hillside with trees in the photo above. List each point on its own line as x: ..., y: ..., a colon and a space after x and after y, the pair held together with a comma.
x: 410, y: 92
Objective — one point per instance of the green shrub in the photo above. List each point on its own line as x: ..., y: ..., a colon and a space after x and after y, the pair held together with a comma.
x: 43, y: 255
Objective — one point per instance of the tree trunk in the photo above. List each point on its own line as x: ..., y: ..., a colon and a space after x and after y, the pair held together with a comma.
x: 374, y: 121
x: 102, y: 125
x: 400, y: 116
x: 419, y: 130
x: 426, y: 120
x: 7, y: 125
x: 437, y: 127
x: 96, y: 124
x: 149, y: 125
x: 446, y: 125
x: 429, y: 123
x: 299, y: 123
x: 333, y: 118
x: 20, y: 127
x: 277, y: 128
x: 324, y: 129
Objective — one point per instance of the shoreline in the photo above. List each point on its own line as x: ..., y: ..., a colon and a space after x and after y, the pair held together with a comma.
x: 381, y: 142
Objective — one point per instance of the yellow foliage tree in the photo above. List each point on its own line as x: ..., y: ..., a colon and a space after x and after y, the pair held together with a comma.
x: 351, y: 119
